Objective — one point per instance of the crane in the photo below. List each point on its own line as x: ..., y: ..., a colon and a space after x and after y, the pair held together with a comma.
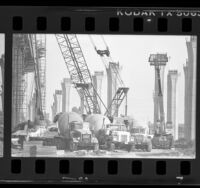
x: 121, y: 91
x: 79, y: 72
x: 161, y: 139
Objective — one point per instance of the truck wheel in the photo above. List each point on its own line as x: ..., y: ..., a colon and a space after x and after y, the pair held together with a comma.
x: 112, y: 147
x: 73, y: 146
x: 131, y: 147
x: 96, y: 147
x: 149, y: 147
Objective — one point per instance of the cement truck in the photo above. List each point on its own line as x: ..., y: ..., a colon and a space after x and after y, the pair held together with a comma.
x: 110, y: 135
x: 73, y: 133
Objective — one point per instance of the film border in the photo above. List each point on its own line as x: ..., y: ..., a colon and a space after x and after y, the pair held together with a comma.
x: 123, y: 24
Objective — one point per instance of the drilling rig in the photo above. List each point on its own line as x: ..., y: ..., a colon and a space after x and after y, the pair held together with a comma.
x: 160, y: 140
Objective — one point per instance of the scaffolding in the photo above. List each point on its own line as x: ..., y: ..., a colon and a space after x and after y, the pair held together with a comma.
x: 23, y: 100
x: 19, y: 106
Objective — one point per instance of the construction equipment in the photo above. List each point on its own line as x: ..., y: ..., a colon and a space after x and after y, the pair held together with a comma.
x: 73, y: 133
x: 36, y: 53
x: 140, y: 138
x: 118, y: 84
x: 109, y: 135
x: 79, y: 72
x: 160, y: 139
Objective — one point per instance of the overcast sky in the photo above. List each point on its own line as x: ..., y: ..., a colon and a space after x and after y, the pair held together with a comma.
x: 132, y: 52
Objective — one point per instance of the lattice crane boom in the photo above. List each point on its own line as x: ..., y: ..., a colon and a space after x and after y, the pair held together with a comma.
x: 34, y: 51
x: 78, y: 70
x: 122, y: 91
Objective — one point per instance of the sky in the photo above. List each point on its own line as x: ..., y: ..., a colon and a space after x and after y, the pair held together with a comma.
x: 132, y: 53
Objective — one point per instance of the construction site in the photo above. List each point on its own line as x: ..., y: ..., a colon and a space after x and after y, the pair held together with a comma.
x: 71, y: 99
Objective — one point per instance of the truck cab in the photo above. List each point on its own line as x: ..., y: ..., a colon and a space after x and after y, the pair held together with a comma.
x: 81, y: 137
x: 140, y: 138
x: 118, y: 135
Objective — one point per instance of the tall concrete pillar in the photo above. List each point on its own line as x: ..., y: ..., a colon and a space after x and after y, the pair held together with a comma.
x: 111, y: 83
x: 82, y: 102
x: 2, y: 63
x: 53, y: 111
x: 32, y: 110
x: 190, y: 89
x: 156, y: 91
x: 171, y: 100
x: 66, y: 85
x: 97, y: 81
x: 58, y: 101
x: 187, y: 117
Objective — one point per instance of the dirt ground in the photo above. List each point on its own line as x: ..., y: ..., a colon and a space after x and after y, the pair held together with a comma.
x: 155, y: 153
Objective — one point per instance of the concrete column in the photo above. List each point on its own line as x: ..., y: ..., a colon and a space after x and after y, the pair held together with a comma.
x: 31, y: 107
x: 53, y: 111
x: 194, y: 71
x: 58, y: 101
x: 31, y: 110
x: 187, y: 128
x: 2, y: 60
x: 181, y: 130
x: 66, y: 85
x: 82, y: 109
x: 111, y: 83
x: 97, y: 81
x: 190, y: 84
x: 171, y: 100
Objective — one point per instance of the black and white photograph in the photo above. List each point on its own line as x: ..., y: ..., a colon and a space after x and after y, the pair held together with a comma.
x: 2, y: 63
x: 102, y: 96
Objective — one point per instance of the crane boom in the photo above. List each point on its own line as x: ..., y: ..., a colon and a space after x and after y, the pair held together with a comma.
x: 78, y: 71
x: 34, y: 52
x: 121, y: 92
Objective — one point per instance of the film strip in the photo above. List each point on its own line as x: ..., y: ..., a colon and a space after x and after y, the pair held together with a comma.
x: 21, y: 29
